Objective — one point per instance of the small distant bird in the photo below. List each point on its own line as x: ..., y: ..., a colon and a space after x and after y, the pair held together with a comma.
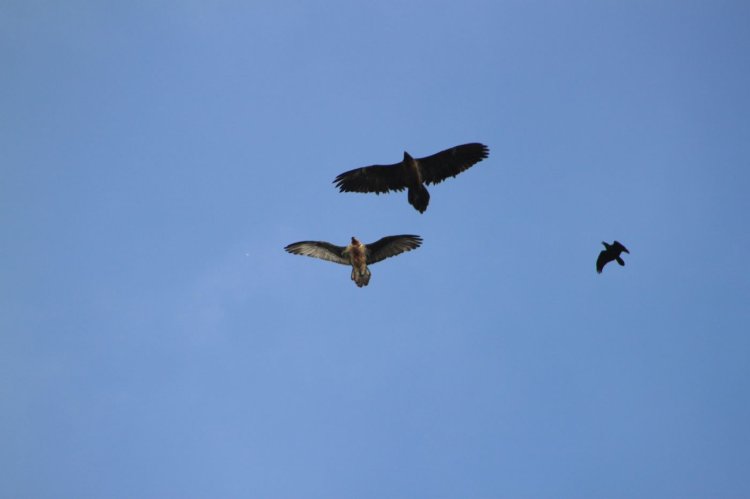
x: 356, y: 254
x: 413, y: 173
x: 609, y: 253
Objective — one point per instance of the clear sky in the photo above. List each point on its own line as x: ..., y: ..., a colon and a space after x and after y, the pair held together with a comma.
x: 156, y: 341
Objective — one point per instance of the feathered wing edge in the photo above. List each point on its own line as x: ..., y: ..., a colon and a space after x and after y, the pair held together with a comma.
x: 451, y: 162
x: 318, y: 249
x: 391, y: 246
x: 376, y: 178
x: 620, y: 246
x: 601, y: 261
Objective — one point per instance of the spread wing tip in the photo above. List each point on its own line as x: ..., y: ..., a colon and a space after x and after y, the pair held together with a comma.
x: 411, y: 242
x: 482, y: 150
x: 293, y: 248
x: 317, y: 249
x: 339, y: 181
x: 410, y: 238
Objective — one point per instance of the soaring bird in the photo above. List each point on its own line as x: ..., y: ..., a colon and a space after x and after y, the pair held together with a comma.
x: 356, y: 254
x: 413, y: 173
x: 609, y: 253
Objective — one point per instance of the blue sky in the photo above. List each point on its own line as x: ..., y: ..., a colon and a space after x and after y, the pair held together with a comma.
x: 156, y: 340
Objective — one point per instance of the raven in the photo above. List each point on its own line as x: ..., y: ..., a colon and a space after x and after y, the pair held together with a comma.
x: 611, y: 252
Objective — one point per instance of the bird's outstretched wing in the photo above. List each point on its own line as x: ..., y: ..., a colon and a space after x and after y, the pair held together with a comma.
x: 604, y: 259
x: 451, y: 162
x: 319, y: 249
x: 391, y: 246
x: 375, y: 178
x: 619, y: 246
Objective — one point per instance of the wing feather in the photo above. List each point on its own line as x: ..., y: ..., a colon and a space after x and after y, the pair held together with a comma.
x: 451, y: 162
x: 602, y: 261
x: 391, y: 246
x: 619, y: 246
x: 319, y: 249
x: 376, y: 178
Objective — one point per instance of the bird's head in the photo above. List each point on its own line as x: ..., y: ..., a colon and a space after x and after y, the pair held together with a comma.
x: 605, y: 245
x: 355, y: 242
x: 407, y: 157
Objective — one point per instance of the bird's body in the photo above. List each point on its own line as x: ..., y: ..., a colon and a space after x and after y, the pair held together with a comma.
x: 356, y: 254
x: 413, y: 173
x: 609, y: 253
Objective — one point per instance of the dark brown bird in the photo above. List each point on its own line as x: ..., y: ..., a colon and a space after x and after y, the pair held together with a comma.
x: 413, y: 173
x: 609, y: 253
x: 356, y: 254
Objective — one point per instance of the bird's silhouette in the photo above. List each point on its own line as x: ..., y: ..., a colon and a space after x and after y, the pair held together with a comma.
x: 609, y: 253
x: 413, y: 173
x: 356, y: 254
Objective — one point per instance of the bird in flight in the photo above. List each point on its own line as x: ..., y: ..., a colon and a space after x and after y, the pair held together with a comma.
x: 413, y: 173
x: 356, y: 254
x: 609, y: 253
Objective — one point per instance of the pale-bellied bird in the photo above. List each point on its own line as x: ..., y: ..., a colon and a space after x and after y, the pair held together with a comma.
x: 356, y: 254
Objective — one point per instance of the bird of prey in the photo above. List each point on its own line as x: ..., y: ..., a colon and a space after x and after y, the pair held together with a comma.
x: 356, y: 254
x: 609, y: 253
x: 413, y: 173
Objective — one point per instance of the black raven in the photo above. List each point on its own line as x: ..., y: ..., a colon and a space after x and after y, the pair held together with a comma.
x: 609, y: 253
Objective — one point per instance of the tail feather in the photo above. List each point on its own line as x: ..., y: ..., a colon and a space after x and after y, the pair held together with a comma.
x: 419, y: 198
x: 361, y: 278
x: 620, y: 261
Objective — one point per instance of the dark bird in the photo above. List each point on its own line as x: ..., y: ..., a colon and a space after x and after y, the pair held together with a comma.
x: 356, y: 254
x: 413, y: 173
x: 609, y: 253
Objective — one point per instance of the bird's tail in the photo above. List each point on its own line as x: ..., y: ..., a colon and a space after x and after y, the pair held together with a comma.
x: 361, y: 277
x: 419, y: 198
x: 620, y: 261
